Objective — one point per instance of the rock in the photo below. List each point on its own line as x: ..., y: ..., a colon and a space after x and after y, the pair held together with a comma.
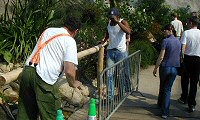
x: 1, y: 101
x: 15, y: 86
x: 6, y: 67
x: 8, y: 92
x: 74, y: 96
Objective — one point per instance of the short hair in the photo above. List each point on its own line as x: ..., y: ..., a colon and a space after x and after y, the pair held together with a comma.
x: 72, y: 23
x: 170, y: 27
x: 194, y: 14
x: 174, y: 14
x: 194, y: 20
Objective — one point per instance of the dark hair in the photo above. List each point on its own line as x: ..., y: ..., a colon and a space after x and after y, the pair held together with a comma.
x: 170, y: 27
x: 194, y: 14
x: 174, y: 14
x: 194, y: 20
x: 72, y: 23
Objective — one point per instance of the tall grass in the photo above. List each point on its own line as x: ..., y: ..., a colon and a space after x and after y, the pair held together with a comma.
x: 21, y: 25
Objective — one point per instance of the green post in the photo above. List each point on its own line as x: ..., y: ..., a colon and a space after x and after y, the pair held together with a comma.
x: 60, y: 115
x: 92, y: 110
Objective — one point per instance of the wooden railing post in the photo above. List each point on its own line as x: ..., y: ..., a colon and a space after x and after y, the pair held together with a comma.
x: 100, y: 62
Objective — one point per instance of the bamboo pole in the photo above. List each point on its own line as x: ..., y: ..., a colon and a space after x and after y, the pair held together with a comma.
x: 10, y: 76
x: 100, y: 62
x: 100, y: 69
x: 90, y: 50
x: 13, y: 75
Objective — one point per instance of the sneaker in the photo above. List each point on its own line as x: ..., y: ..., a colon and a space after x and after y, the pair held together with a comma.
x: 182, y: 101
x: 164, y: 116
x: 191, y: 108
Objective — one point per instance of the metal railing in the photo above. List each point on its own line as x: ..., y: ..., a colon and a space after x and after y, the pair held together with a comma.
x: 116, y: 83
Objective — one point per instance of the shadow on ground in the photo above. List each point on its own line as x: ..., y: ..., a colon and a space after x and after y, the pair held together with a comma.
x: 144, y: 104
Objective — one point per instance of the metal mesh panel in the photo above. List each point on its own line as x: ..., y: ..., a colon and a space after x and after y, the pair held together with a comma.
x: 116, y: 83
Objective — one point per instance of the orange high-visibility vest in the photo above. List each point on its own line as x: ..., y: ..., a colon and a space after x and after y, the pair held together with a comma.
x: 36, y: 57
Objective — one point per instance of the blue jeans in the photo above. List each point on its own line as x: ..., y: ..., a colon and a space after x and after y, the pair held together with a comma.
x: 128, y: 84
x: 113, y: 56
x: 167, y: 76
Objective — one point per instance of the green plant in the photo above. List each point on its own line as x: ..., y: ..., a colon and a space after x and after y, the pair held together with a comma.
x: 4, y: 98
x: 94, y: 18
x: 151, y: 7
x: 149, y: 54
x: 21, y: 25
x: 156, y: 30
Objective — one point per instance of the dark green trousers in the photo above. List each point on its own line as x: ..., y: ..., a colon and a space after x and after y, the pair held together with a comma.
x: 37, y: 98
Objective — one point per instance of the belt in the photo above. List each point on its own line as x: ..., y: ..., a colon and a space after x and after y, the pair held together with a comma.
x: 113, y: 49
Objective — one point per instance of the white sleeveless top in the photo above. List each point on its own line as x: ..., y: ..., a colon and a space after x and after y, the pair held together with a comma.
x: 117, y: 37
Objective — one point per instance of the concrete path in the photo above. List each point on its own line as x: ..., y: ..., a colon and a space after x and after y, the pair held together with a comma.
x: 142, y: 105
x: 138, y: 107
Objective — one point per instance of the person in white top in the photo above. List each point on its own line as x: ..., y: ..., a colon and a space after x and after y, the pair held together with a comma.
x: 117, y: 31
x: 191, y: 52
x: 54, y: 53
x: 177, y: 25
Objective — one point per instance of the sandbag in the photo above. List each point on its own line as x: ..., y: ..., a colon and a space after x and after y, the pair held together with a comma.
x: 74, y: 96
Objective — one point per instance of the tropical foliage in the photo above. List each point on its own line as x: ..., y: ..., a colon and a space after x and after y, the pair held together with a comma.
x: 21, y: 24
x: 24, y: 20
x: 148, y: 52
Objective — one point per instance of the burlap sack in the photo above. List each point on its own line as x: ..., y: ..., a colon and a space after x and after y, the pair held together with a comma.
x: 73, y: 96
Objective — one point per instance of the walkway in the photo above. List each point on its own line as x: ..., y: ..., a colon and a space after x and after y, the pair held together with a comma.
x: 138, y: 107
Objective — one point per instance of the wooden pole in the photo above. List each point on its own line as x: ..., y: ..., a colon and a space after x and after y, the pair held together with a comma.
x: 100, y: 69
x: 90, y: 50
x: 100, y: 62
x: 10, y: 76
x: 13, y: 75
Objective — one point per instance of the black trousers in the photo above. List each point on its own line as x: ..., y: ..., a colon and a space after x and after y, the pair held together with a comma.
x: 190, y: 78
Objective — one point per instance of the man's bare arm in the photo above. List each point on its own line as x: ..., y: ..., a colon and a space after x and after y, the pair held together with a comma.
x: 70, y: 73
x: 183, y: 50
x: 125, y: 26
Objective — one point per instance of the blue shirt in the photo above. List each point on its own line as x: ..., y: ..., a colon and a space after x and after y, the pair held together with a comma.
x: 172, y: 47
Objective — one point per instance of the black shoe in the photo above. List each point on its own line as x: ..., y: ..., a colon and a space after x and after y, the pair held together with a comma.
x: 182, y: 101
x: 191, y: 108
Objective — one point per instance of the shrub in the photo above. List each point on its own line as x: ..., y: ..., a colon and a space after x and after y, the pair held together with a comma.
x: 149, y: 54
x: 155, y: 29
x: 21, y: 26
x: 94, y: 17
